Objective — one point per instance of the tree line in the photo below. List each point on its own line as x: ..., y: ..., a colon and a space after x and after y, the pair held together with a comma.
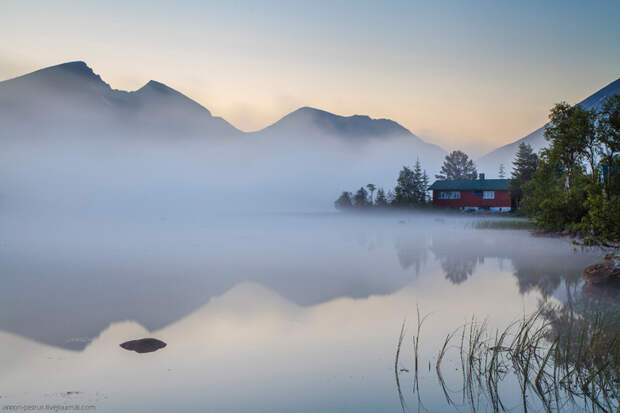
x: 411, y: 190
x: 574, y: 183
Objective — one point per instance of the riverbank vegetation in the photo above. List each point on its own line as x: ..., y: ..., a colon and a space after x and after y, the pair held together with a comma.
x: 574, y: 184
x: 558, y: 359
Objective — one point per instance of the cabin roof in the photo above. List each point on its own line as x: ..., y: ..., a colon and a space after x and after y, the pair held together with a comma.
x: 470, y: 185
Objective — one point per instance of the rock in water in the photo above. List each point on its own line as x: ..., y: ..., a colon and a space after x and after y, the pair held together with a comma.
x: 603, y: 271
x: 143, y: 345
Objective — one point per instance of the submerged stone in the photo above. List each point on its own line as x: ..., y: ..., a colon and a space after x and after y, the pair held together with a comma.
x: 143, y: 345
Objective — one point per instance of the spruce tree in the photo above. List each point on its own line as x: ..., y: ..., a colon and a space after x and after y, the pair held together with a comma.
x: 360, y: 199
x: 425, y: 185
x: 502, y: 171
x: 381, y: 200
x: 418, y: 183
x: 525, y: 164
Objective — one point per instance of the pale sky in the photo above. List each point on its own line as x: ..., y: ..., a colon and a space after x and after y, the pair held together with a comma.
x: 462, y: 74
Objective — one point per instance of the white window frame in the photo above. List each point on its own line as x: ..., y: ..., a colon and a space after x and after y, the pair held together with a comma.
x: 449, y: 194
x: 488, y: 195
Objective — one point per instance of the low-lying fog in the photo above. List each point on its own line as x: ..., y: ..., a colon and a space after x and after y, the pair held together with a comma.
x: 231, y: 251
x: 123, y: 179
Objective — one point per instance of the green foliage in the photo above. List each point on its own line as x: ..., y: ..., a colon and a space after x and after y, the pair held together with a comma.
x: 344, y: 201
x: 403, y: 192
x: 457, y: 165
x: 410, y: 192
x: 601, y: 222
x: 411, y: 187
x: 570, y: 132
x: 546, y: 200
x: 502, y: 171
x: 524, y: 166
x: 360, y: 199
x: 504, y: 224
x: 381, y: 201
x: 563, y: 193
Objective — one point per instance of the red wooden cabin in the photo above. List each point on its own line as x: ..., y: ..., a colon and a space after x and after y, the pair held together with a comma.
x: 474, y: 194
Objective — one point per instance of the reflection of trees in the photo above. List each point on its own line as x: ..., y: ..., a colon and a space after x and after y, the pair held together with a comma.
x: 586, y: 329
x: 545, y: 273
x: 540, y: 264
x: 459, y: 253
x: 411, y: 252
x: 457, y: 269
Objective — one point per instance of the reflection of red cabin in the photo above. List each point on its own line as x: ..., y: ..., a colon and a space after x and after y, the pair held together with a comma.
x: 474, y: 194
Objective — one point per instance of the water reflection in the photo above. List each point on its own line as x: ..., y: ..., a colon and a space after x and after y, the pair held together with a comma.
x: 56, y: 297
x: 411, y: 252
x: 266, y: 308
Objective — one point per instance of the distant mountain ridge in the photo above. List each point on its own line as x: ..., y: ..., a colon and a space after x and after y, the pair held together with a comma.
x: 71, y: 97
x: 505, y: 154
x: 356, y: 126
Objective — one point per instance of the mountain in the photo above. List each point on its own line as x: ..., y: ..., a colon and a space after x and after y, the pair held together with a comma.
x: 71, y: 98
x: 505, y: 154
x: 308, y: 124
x: 319, y: 122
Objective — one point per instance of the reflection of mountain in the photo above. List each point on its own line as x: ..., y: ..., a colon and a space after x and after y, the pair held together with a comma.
x: 62, y: 296
x: 61, y: 300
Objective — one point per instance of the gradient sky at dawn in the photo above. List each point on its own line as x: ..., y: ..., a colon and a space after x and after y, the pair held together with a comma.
x: 471, y: 75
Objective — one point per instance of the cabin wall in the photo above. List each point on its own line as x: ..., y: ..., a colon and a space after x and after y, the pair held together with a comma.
x: 469, y: 199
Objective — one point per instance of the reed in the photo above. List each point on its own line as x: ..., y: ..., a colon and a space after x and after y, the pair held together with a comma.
x: 557, y: 358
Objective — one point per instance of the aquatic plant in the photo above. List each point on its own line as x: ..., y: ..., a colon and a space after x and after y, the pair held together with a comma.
x: 559, y: 356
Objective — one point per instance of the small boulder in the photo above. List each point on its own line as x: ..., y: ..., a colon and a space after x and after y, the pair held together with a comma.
x: 603, y: 271
x: 143, y: 345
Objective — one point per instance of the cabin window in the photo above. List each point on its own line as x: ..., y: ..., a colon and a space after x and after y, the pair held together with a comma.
x: 449, y: 195
x: 488, y: 195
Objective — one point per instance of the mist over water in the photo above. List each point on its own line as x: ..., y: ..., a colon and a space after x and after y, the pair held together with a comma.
x: 263, y: 310
x: 127, y: 223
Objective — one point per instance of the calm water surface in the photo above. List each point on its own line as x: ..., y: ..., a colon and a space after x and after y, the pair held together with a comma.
x: 265, y: 313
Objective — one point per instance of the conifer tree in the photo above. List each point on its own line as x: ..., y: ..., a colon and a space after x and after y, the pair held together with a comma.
x: 418, y: 183
x: 524, y: 166
x: 381, y: 200
x: 360, y: 199
x: 425, y: 185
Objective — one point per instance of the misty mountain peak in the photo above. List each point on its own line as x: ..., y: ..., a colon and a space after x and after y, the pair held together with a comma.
x: 77, y: 67
x: 321, y: 122
x: 156, y: 86
x: 505, y: 154
x: 77, y: 70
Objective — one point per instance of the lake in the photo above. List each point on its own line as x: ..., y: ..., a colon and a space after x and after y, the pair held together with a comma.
x: 262, y: 312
